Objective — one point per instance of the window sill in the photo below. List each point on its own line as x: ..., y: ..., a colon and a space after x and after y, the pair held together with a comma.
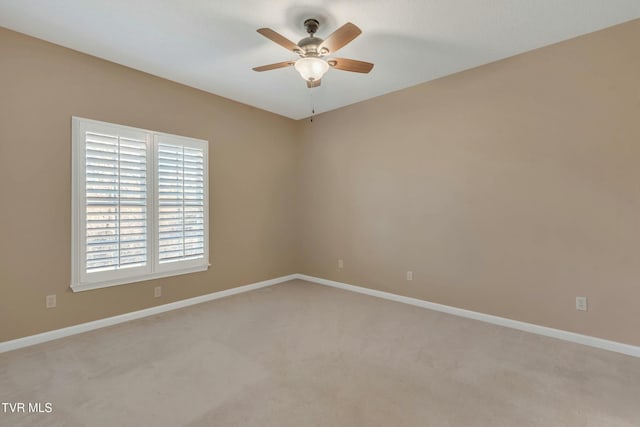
x: 79, y: 287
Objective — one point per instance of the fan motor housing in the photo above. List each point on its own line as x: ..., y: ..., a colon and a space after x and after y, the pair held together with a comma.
x: 310, y: 45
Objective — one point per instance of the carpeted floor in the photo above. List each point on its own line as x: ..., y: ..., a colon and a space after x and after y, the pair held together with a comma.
x: 301, y: 354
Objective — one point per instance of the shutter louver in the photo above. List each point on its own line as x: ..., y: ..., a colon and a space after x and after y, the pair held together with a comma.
x: 181, y: 203
x: 115, y: 202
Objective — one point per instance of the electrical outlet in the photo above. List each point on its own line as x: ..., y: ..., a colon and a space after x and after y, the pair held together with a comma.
x: 581, y: 303
x: 409, y: 275
x: 51, y: 301
x: 340, y: 263
x: 157, y: 291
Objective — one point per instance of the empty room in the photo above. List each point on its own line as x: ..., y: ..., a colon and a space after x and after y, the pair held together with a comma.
x: 353, y: 213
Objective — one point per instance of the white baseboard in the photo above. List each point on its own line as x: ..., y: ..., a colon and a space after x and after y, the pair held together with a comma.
x: 509, y: 323
x: 109, y: 321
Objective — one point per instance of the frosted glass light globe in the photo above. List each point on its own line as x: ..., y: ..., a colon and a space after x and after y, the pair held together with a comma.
x: 311, y: 69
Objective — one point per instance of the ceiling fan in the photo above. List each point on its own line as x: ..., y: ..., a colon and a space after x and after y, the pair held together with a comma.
x: 312, y: 51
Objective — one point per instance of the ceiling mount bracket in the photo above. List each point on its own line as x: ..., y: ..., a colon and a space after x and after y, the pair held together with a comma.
x: 311, y: 25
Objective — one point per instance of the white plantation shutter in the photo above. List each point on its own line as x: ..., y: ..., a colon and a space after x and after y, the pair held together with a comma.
x: 140, y: 204
x: 181, y: 201
x: 115, y: 202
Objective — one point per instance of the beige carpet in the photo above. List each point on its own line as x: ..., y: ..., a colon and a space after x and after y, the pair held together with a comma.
x: 300, y: 354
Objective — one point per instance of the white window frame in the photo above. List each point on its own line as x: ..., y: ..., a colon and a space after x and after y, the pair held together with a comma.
x: 80, y: 279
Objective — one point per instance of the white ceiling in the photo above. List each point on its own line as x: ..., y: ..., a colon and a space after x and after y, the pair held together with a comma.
x: 212, y: 44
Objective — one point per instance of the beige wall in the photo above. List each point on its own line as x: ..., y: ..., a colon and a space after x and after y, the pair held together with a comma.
x: 508, y: 189
x: 252, y: 157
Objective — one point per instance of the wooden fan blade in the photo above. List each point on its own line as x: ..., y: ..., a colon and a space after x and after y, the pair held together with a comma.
x: 313, y: 83
x: 340, y: 37
x: 280, y: 39
x: 350, y: 65
x: 274, y: 66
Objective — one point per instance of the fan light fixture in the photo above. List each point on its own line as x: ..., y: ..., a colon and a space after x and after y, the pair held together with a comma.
x: 311, y: 68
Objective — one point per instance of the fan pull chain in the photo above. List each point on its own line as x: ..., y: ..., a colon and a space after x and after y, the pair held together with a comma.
x: 313, y: 110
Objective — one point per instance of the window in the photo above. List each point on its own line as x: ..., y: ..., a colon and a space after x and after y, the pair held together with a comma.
x: 140, y: 205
